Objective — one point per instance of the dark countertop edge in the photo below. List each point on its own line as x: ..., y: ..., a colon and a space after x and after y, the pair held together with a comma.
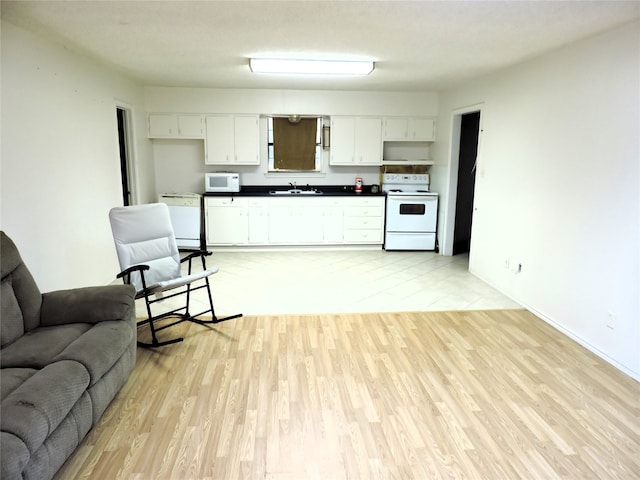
x: 327, y: 190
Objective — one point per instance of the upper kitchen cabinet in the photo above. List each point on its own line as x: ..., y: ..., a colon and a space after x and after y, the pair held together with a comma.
x: 171, y: 125
x: 356, y: 141
x: 232, y: 140
x: 410, y: 129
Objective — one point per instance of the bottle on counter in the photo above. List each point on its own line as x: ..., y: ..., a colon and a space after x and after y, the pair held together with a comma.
x: 358, y: 185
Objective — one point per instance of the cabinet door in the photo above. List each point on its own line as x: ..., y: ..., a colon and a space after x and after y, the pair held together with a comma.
x: 281, y: 225
x: 343, y: 131
x: 219, y: 140
x: 396, y: 128
x: 190, y: 126
x: 333, y: 224
x: 368, y: 136
x: 309, y: 222
x: 422, y: 129
x: 247, y: 140
x: 226, y: 221
x: 296, y: 221
x: 163, y: 125
x: 258, y: 217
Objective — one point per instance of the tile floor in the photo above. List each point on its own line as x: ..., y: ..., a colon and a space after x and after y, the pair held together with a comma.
x: 344, y: 281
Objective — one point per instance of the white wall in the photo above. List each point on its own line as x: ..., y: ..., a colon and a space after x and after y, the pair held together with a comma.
x: 558, y: 188
x: 180, y: 167
x: 60, y: 161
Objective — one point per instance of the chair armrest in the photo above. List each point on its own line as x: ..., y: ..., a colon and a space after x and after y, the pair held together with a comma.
x: 88, y: 305
x: 134, y: 268
x: 199, y: 253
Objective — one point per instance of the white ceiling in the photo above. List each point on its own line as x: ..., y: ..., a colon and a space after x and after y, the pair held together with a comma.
x: 417, y: 45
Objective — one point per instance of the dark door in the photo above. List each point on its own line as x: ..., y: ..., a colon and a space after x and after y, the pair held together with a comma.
x: 124, y: 162
x: 469, y: 129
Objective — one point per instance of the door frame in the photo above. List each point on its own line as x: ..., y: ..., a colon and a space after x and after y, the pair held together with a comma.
x: 132, y: 169
x: 454, y: 154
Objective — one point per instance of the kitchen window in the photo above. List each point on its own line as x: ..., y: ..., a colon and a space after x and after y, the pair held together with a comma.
x: 294, y: 144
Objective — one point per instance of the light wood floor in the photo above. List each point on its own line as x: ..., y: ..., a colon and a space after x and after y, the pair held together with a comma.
x: 476, y: 395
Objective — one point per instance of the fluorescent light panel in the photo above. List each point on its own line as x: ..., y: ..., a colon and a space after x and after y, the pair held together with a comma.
x: 310, y: 67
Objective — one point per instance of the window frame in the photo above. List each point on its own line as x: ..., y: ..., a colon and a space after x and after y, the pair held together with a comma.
x: 319, y: 149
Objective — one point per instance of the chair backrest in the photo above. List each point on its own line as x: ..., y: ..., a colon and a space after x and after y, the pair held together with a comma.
x: 143, y: 234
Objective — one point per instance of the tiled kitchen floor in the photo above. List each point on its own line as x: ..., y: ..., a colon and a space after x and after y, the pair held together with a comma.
x: 344, y: 281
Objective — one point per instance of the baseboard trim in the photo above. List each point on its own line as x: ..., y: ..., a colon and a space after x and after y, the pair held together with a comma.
x: 569, y: 333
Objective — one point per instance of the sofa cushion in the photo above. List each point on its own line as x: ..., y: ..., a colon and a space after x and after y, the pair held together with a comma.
x: 88, y: 305
x: 12, y: 378
x: 35, y: 409
x: 99, y: 348
x: 58, y: 446
x: 15, y: 456
x: 37, y: 348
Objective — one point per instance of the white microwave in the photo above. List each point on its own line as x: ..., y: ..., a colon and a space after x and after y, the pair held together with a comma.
x: 221, y: 182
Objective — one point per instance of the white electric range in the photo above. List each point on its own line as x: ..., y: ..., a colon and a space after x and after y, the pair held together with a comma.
x: 411, y: 212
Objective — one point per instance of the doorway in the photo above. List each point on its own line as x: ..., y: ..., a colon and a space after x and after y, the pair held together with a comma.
x: 467, y: 162
x: 125, y: 160
x: 463, y: 185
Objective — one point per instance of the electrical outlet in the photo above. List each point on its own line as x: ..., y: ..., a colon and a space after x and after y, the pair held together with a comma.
x: 611, y: 320
x: 515, y: 267
x: 507, y: 263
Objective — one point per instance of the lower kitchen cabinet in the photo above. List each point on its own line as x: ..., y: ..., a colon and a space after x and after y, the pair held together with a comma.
x: 294, y: 221
x: 333, y: 221
x: 364, y: 220
x: 226, y: 221
x: 258, y: 221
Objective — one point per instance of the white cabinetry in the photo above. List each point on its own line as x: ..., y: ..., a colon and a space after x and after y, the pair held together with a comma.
x: 411, y: 129
x: 333, y: 220
x: 232, y: 140
x: 364, y: 220
x: 295, y: 221
x: 242, y: 221
x: 258, y: 217
x: 356, y: 141
x: 171, y: 125
x: 226, y: 220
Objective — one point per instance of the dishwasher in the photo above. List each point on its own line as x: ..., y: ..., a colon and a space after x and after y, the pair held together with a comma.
x: 185, y: 210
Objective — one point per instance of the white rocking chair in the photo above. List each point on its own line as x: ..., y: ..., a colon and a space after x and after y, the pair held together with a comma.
x: 149, y: 260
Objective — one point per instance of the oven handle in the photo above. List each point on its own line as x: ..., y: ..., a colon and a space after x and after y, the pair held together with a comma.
x: 412, y: 198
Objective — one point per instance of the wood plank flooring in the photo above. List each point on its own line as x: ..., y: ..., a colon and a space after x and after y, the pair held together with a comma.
x: 429, y: 395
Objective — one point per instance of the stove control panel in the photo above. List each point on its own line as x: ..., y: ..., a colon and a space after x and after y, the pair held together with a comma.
x: 406, y: 178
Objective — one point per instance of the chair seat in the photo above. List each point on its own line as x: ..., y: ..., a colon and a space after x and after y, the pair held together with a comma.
x: 178, y: 282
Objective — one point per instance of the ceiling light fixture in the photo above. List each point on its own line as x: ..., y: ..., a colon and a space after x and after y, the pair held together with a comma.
x: 310, y: 67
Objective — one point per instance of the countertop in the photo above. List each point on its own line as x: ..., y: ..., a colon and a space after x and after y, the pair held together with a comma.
x: 327, y: 190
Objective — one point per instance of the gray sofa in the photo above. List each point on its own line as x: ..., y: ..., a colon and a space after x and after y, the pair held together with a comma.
x: 64, y: 355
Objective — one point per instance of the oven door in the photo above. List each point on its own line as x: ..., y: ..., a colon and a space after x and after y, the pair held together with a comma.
x: 411, y: 213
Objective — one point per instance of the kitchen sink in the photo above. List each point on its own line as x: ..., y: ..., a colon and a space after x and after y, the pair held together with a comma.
x: 295, y: 191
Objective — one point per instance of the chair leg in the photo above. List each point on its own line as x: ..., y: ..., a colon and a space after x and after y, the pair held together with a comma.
x: 186, y: 316
x: 214, y: 319
x: 152, y: 328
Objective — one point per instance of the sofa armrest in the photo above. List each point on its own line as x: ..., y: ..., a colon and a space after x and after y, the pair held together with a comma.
x: 88, y: 305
